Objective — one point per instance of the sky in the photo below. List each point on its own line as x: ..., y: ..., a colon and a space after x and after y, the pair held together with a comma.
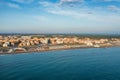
x: 60, y: 16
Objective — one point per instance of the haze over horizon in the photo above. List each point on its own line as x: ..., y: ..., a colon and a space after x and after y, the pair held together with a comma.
x: 60, y: 16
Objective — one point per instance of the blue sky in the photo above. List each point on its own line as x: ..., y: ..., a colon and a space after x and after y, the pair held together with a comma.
x: 60, y: 16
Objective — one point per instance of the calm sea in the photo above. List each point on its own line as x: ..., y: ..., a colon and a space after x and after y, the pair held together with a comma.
x: 77, y: 64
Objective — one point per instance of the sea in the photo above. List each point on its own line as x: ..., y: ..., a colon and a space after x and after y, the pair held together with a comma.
x: 74, y: 64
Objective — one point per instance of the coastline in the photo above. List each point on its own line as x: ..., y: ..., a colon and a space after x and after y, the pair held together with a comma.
x: 57, y: 49
x: 14, y: 44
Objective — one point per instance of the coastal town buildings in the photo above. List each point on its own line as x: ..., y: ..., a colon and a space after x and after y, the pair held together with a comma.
x: 45, y: 43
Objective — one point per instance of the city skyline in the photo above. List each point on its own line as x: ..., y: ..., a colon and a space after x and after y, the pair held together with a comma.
x: 60, y: 16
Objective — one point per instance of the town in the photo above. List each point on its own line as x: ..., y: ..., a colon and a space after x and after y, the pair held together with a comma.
x: 37, y: 43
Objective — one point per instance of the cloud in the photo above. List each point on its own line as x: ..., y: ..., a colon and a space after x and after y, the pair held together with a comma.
x: 77, y: 11
x: 12, y: 5
x: 46, y: 4
x: 40, y: 18
x: 23, y: 1
x: 70, y: 13
x: 96, y: 17
x: 113, y: 8
x: 110, y: 0
x: 55, y: 8
x: 50, y: 5
x: 106, y: 0
x: 71, y: 0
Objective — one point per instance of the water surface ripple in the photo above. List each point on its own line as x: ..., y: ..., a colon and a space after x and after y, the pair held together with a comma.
x: 76, y: 64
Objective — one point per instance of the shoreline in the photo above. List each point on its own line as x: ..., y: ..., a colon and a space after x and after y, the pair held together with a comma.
x: 31, y: 52
x: 14, y: 44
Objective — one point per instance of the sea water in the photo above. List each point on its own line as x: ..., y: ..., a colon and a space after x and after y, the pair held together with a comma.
x: 75, y: 64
